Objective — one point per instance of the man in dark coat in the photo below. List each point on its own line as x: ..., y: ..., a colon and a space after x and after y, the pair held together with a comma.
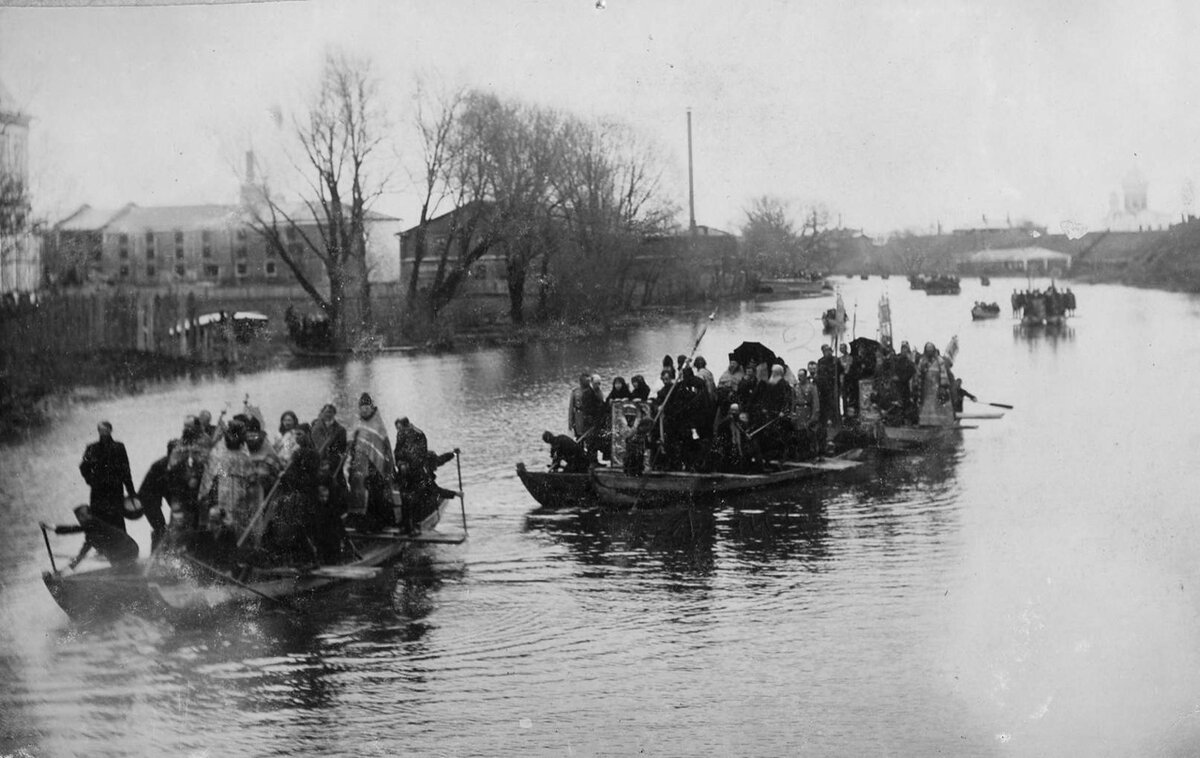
x: 566, y: 455
x: 105, y: 467
x: 329, y: 437
x: 157, y: 487
x: 828, y: 376
x: 117, y: 547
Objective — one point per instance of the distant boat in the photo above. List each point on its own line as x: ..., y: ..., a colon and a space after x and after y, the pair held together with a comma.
x: 791, y: 289
x: 981, y: 311
x: 985, y: 281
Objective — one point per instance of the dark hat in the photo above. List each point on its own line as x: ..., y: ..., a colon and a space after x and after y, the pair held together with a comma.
x: 82, y: 512
x: 365, y: 399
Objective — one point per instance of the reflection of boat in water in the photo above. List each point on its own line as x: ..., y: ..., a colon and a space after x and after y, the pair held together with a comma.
x: 982, y: 311
x: 675, y: 488
x: 557, y: 489
x: 1034, y: 321
x: 791, y: 289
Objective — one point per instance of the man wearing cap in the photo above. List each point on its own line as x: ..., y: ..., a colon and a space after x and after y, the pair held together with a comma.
x: 105, y: 467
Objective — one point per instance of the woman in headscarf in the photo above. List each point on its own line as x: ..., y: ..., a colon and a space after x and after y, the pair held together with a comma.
x: 620, y: 391
x: 639, y: 390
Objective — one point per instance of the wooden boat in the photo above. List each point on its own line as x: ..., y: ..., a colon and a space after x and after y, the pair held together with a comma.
x: 982, y: 311
x: 180, y: 586
x: 556, y: 489
x: 299, y: 352
x: 680, y: 488
x: 791, y: 289
x: 943, y: 286
x: 986, y: 282
x: 903, y: 438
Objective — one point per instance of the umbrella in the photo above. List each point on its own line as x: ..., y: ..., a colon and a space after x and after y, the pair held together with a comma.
x: 864, y: 345
x: 754, y: 352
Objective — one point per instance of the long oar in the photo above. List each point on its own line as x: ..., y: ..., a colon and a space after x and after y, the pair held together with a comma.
x: 994, y: 405
x: 462, y: 494
x: 262, y: 507
x: 49, y: 552
x: 229, y: 578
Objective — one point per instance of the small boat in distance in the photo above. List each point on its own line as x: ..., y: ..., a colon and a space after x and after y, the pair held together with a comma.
x: 981, y: 311
x: 792, y: 288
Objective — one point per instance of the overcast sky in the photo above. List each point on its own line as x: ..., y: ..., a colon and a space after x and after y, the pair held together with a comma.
x: 894, y: 114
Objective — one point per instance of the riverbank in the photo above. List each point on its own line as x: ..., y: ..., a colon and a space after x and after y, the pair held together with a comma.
x: 34, y: 385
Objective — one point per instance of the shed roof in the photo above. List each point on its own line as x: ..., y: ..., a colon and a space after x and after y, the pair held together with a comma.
x: 1018, y: 254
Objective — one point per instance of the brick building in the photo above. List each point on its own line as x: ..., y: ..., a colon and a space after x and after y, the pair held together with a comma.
x: 211, y: 245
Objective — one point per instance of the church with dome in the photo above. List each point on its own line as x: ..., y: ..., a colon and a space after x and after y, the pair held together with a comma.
x: 1130, y: 211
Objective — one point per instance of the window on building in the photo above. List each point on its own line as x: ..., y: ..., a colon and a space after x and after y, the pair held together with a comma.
x: 180, y: 269
x: 240, y: 251
x: 241, y: 270
x: 123, y: 252
x: 179, y: 252
x: 178, y: 238
x: 124, y: 272
x: 149, y: 246
x: 270, y: 268
x: 97, y: 254
x: 206, y: 243
x: 151, y: 271
x: 212, y: 272
x: 241, y: 234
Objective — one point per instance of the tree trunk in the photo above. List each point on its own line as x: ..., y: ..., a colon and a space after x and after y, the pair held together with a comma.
x: 516, y: 267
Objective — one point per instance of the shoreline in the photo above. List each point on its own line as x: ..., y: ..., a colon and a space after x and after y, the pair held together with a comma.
x: 33, y: 385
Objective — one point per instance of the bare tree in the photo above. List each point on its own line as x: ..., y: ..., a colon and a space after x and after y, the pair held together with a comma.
x: 610, y: 192
x: 436, y: 111
x: 338, y: 135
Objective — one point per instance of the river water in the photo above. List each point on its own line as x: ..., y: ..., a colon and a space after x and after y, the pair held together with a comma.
x: 1031, y: 590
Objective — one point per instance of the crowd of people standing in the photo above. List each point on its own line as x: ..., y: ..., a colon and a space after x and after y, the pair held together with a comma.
x: 758, y: 411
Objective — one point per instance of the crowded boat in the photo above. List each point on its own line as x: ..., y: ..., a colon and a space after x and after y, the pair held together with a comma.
x: 759, y: 414
x: 1041, y: 307
x: 241, y: 502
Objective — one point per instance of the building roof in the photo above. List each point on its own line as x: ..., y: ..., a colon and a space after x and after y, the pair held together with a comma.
x: 89, y: 219
x: 133, y: 218
x: 172, y: 217
x: 1005, y: 255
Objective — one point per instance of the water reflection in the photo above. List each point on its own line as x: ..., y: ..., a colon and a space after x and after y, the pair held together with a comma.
x: 672, y: 540
x: 1049, y: 334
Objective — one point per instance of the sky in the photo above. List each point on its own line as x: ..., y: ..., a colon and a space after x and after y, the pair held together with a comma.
x: 897, y: 114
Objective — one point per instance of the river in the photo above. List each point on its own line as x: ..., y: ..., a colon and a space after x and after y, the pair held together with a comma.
x: 1033, y: 590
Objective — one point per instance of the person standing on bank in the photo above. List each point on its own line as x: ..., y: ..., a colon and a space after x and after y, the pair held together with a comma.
x: 105, y: 467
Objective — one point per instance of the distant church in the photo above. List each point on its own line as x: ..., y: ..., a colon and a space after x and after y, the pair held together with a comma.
x: 1133, y: 215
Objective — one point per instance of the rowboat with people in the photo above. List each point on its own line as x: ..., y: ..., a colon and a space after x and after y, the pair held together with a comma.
x: 982, y: 311
x: 178, y: 585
